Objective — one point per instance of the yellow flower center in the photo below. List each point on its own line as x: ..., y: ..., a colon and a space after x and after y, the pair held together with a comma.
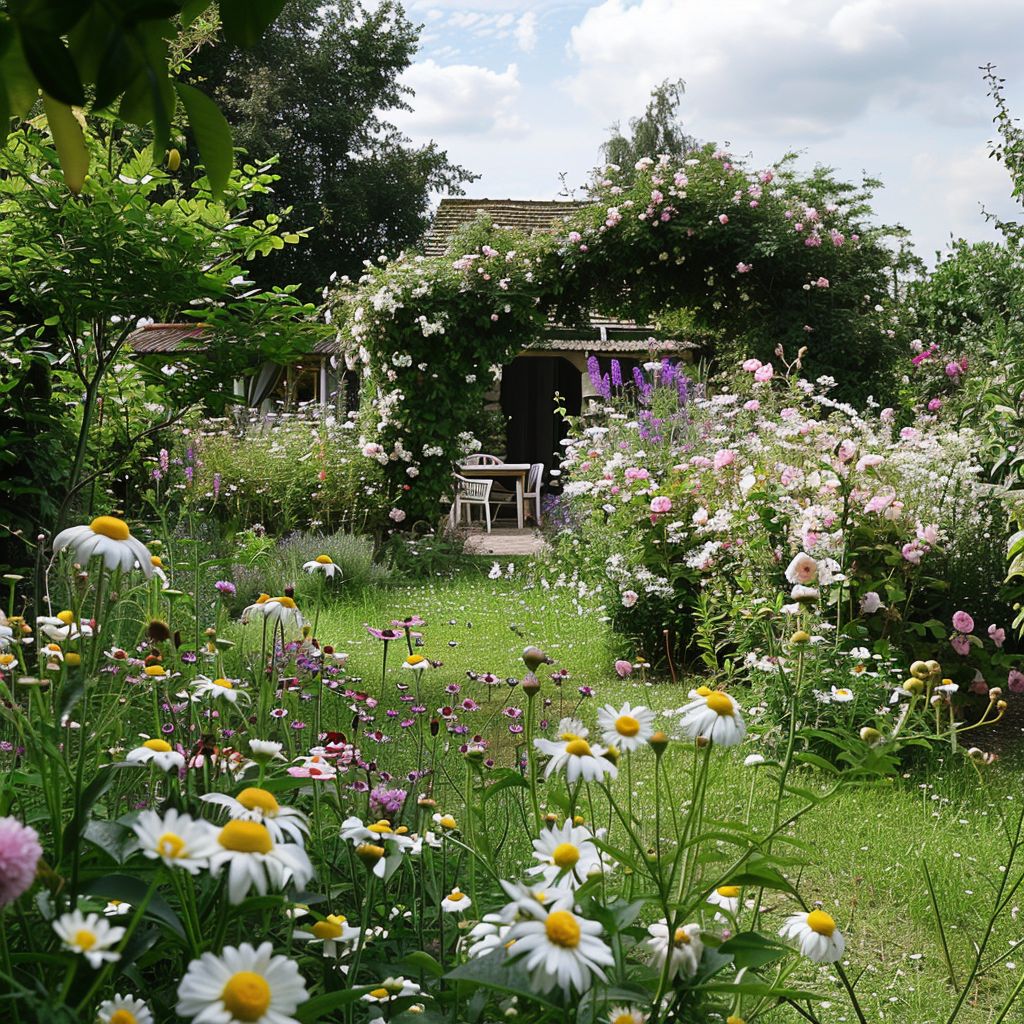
x: 843, y: 692
x: 156, y: 561
x: 735, y: 1020
x: 578, y: 748
x: 369, y: 853
x: 858, y: 668
x: 160, y: 746
x: 170, y: 845
x: 623, y: 1018
x: 255, y: 799
x: 569, y: 736
x: 381, y: 827
x: 415, y: 659
x: 324, y: 559
x: 246, y: 996
x: 380, y: 993
x: 123, y: 1017
x: 627, y: 725
x: 820, y: 922
x: 263, y: 599
x: 73, y: 659
x: 681, y: 937
x: 565, y: 855
x: 66, y: 617
x: 562, y: 929
x: 329, y: 928
x: 730, y: 892
x: 455, y: 896
x: 54, y: 648
x: 155, y: 670
x: 285, y: 602
x: 85, y: 939
x: 245, y: 837
x: 7, y: 659
x: 719, y: 703
x: 447, y: 821
x: 704, y: 691
x: 225, y: 684
x: 109, y: 526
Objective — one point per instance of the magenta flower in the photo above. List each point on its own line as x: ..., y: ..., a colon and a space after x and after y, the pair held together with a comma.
x: 623, y: 668
x: 961, y: 644
x: 19, y: 854
x: 1015, y: 681
x: 962, y: 622
x: 996, y: 635
x: 384, y: 634
x: 661, y: 505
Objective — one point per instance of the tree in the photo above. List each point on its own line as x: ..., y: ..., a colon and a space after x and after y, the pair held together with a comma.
x: 658, y: 130
x: 316, y: 90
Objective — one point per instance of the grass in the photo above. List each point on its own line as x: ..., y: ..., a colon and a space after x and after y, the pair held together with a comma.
x: 869, y: 843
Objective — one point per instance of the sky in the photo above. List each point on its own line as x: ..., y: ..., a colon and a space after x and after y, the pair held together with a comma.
x: 524, y: 92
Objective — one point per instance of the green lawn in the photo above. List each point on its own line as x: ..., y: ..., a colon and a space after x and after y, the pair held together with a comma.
x: 870, y: 843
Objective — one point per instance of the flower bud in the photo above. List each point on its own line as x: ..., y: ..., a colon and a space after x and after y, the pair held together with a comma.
x: 914, y: 686
x: 531, y: 685
x: 995, y: 693
x: 658, y: 742
x: 801, y: 636
x: 611, y: 754
x: 919, y: 670
x: 870, y: 735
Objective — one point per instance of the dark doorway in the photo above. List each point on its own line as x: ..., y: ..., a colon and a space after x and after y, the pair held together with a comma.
x: 528, y: 388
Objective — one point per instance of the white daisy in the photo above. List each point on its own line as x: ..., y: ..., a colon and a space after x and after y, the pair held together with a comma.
x: 217, y: 689
x: 283, y: 610
x: 560, y: 948
x: 266, y: 750
x: 567, y: 855
x: 626, y: 1015
x: 241, y: 986
x: 392, y: 988
x: 62, y: 626
x: 713, y: 715
x: 124, y: 1010
x: 108, y: 538
x: 379, y: 846
x: 524, y: 899
x: 160, y: 752
x: 456, y: 902
x: 416, y: 663
x: 255, y: 609
x: 727, y: 897
x: 179, y: 840
x: 574, y: 753
x: 683, y: 948
x: 333, y: 931
x: 627, y: 728
x: 324, y: 564
x: 841, y: 695
x: 117, y: 908
x: 254, y: 804
x: 820, y: 940
x: 89, y: 934
x: 248, y: 851
x: 488, y: 935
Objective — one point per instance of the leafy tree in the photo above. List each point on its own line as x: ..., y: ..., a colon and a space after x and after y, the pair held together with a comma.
x: 116, y: 55
x: 658, y: 130
x: 316, y: 90
x: 77, y: 272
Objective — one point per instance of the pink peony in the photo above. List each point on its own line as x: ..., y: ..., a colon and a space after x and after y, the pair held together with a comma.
x: 913, y: 552
x: 661, y: 505
x: 962, y: 622
x: 764, y: 373
x: 750, y: 365
x: 723, y: 218
x: 623, y: 668
x: 629, y: 598
x: 724, y: 457
x: 880, y: 502
x: 822, y: 282
x: 19, y: 854
x: 996, y: 635
x: 934, y: 404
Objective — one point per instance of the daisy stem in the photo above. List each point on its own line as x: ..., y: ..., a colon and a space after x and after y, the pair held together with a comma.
x: 531, y: 762
x: 852, y: 994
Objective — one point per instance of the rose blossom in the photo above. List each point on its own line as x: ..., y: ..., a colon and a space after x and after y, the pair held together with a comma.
x: 962, y: 622
x: 19, y: 854
x: 750, y: 365
x: 661, y: 505
x: 629, y: 598
x: 724, y: 457
x: 623, y: 668
x: 763, y: 374
x: 802, y: 569
x: 960, y: 644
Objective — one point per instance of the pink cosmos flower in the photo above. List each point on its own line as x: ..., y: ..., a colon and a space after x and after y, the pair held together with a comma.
x: 960, y: 644
x: 962, y: 622
x: 661, y: 505
x: 764, y: 373
x: 996, y: 635
x: 623, y: 668
x: 724, y: 457
x: 1015, y: 681
x: 19, y: 854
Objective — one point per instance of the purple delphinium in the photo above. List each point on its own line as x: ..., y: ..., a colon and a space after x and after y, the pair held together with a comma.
x: 616, y: 374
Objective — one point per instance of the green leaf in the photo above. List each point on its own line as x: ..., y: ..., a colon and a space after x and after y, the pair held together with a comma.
x: 212, y: 134
x: 497, y: 971
x: 245, y: 21
x: 69, y: 139
x: 133, y: 890
x: 420, y: 961
x: 750, y: 949
x: 52, y: 65
x: 318, y: 1007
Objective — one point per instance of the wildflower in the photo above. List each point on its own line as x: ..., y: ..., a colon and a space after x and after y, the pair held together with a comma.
x: 265, y: 750
x: 241, y: 986
x: 626, y: 1014
x: 255, y: 804
x: 177, y: 839
x: 870, y: 603
x: 19, y: 854
x: 727, y: 897
x: 159, y: 752
x: 63, y: 627
x: 253, y: 858
x: 283, y: 610
x: 567, y: 856
x: 324, y: 564
x: 456, y: 902
x: 820, y: 940
x: 416, y: 663
x: 124, y: 1010
x: 226, y: 587
x: 89, y: 934
x: 683, y: 949
x: 559, y: 948
x: 713, y: 716
x: 333, y: 931
x: 629, y: 598
x: 575, y: 754
x: 378, y: 845
x: 623, y: 668
x: 802, y: 569
x: 392, y: 988
x: 108, y: 538
x: 256, y: 608
x: 217, y: 689
x: 628, y: 728
x: 996, y: 635
x: 841, y: 695
x: 487, y: 936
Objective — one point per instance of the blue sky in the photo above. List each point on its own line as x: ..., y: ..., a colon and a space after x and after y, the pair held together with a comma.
x: 522, y: 92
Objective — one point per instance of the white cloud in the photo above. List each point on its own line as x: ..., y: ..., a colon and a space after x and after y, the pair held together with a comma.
x: 526, y: 31
x: 461, y: 99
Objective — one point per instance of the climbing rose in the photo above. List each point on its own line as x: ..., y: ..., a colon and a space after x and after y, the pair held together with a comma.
x: 962, y: 622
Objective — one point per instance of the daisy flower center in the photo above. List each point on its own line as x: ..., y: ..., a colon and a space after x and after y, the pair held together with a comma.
x: 704, y: 691
x: 842, y: 692
x: 85, y: 939
x: 623, y: 1018
x: 719, y: 703
x: 225, y: 683
x: 123, y: 1017
x: 380, y: 993
x: 820, y: 922
x: 456, y: 896
x: 327, y: 929
x: 245, y: 837
x: 246, y: 996
x: 7, y: 659
x: 285, y: 602
x: 160, y: 746
x: 170, y: 845
x: 627, y: 725
x: 414, y: 659
x: 562, y: 929
x: 255, y: 799
x: 263, y: 599
x: 66, y: 617
x: 156, y: 561
x: 730, y: 892
x: 154, y: 670
x: 324, y: 559
x: 369, y: 853
x: 565, y: 855
x: 110, y: 526
x: 447, y: 821
x: 381, y: 827
x: 578, y: 748
x: 681, y: 937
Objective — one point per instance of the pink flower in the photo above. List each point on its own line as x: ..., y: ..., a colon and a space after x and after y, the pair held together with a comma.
x: 724, y: 457
x: 847, y: 450
x: 743, y: 268
x: 629, y: 598
x: 1015, y: 681
x: 910, y: 434
x: 822, y: 282
x: 19, y: 854
x: 996, y: 635
x: 752, y: 406
x: 934, y: 405
x: 962, y: 622
x: 869, y: 462
x: 953, y: 369
x: 723, y: 218
x: 978, y: 685
x: 879, y: 503
x: 396, y: 515
x: 764, y: 373
x: 623, y: 668
x: 913, y: 552
x: 960, y: 644
x: 661, y: 505
x: 870, y: 603
x: 750, y: 365
x: 929, y: 533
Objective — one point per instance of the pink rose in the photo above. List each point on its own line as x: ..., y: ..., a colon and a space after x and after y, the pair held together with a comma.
x: 661, y: 505
x: 960, y: 644
x: 879, y: 503
x: 764, y: 373
x: 750, y: 365
x: 724, y: 457
x: 913, y: 552
x: 962, y: 622
x: 723, y: 218
x: 743, y: 268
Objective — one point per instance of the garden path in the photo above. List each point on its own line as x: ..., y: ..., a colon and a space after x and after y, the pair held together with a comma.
x: 505, y: 541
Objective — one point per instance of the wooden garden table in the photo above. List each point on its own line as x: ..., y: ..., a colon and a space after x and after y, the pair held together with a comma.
x: 517, y: 471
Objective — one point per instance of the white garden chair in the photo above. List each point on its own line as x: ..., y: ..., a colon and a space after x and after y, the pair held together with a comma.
x: 469, y: 493
x: 534, y: 481
x: 481, y: 459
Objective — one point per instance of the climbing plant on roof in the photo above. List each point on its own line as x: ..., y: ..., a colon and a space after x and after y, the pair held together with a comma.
x: 764, y: 258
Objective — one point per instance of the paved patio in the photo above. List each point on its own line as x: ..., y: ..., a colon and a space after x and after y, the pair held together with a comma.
x: 504, y: 540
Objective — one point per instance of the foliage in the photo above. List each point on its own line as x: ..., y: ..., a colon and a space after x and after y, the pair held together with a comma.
x: 316, y: 90
x: 115, y: 53
x: 78, y: 273
x: 767, y: 258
